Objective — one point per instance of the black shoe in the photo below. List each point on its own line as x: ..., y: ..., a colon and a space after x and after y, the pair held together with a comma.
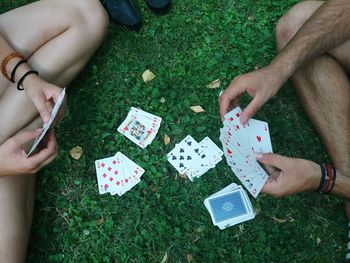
x: 159, y: 7
x: 124, y: 13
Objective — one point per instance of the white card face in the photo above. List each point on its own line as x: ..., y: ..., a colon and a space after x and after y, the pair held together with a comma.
x: 105, y: 177
x: 185, y: 154
x: 217, y: 152
x: 239, y: 143
x: 259, y: 136
x: 47, y: 125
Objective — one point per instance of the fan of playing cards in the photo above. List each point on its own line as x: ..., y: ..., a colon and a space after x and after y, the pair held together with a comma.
x: 140, y: 127
x: 240, y: 142
x: 194, y: 159
x: 117, y: 174
x: 47, y: 125
x: 229, y: 206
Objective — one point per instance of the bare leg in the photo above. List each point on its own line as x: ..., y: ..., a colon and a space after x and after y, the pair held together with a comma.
x: 57, y: 43
x: 323, y: 89
x: 58, y: 38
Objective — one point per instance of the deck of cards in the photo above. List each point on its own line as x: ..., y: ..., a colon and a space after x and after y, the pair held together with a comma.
x: 194, y: 159
x: 140, y: 127
x: 47, y: 125
x: 229, y: 206
x: 240, y: 143
x: 117, y: 174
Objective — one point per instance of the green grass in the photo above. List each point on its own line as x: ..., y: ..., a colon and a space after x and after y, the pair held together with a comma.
x: 199, y: 41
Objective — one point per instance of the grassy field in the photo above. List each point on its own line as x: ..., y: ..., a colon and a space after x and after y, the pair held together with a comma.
x: 163, y: 218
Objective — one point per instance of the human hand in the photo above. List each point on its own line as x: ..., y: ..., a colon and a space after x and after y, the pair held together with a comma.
x: 13, y: 158
x: 261, y: 84
x: 289, y: 175
x: 44, y: 95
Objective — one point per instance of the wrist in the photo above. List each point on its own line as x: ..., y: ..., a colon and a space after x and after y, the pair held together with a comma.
x: 314, y: 177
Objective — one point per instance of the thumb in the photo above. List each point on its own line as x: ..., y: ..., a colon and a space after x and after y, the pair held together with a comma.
x: 43, y: 109
x: 271, y: 159
x: 23, y: 137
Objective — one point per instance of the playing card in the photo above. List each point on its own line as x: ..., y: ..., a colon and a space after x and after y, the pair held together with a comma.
x: 229, y: 206
x: 105, y: 174
x: 140, y: 127
x: 47, y: 125
x: 185, y: 154
x: 259, y: 136
x: 239, y: 144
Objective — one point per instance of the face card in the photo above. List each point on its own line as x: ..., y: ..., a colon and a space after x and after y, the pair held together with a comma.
x: 185, y: 154
x: 47, y: 125
x: 259, y: 136
x: 138, y: 132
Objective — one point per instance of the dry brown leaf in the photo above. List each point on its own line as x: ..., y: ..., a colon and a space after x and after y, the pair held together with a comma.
x: 197, y: 109
x: 100, y: 221
x: 165, y: 258
x: 279, y: 220
x: 166, y: 139
x: 215, y: 84
x: 183, y: 176
x: 189, y: 258
x: 76, y: 152
x: 148, y: 76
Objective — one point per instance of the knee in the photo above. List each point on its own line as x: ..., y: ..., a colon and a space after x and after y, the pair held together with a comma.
x: 289, y: 24
x: 93, y: 19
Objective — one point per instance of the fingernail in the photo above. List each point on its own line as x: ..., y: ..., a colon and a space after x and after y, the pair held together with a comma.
x: 258, y: 155
x: 243, y: 119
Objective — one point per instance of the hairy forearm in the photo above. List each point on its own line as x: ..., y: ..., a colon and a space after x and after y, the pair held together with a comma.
x: 326, y: 29
x: 342, y: 186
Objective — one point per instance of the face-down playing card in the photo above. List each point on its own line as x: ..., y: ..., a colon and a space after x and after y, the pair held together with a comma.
x: 229, y: 206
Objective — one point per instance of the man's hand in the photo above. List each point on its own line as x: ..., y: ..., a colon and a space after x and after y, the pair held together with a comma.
x: 289, y: 175
x: 43, y: 95
x: 261, y: 84
x: 13, y: 158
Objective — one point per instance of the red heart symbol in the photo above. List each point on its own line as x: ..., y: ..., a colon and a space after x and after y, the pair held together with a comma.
x: 237, y: 114
x: 118, y: 183
x: 231, y: 119
x: 258, y: 138
x: 126, y: 128
x: 228, y: 151
x: 149, y: 132
x: 126, y: 180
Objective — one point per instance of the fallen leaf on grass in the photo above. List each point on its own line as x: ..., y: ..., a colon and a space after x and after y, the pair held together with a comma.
x: 279, y: 220
x: 166, y: 139
x: 215, y: 84
x: 165, y: 258
x: 197, y: 109
x: 100, y: 221
x: 183, y: 176
x: 76, y: 152
x: 189, y: 258
x: 318, y: 241
x: 148, y: 76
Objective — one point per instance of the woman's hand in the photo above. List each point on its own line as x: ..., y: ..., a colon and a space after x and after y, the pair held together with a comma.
x: 14, y: 160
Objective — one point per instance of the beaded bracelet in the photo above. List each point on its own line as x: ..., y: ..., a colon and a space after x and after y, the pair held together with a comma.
x: 19, y: 84
x: 13, y: 73
x: 328, y: 178
x: 5, y: 61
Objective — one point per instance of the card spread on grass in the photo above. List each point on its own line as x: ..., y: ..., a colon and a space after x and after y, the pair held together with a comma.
x: 47, y: 125
x: 240, y: 143
x: 194, y: 159
x: 117, y: 174
x: 140, y: 127
x: 229, y: 206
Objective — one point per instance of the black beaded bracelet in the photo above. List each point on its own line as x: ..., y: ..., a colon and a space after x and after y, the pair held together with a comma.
x: 323, y: 177
x: 13, y: 73
x: 19, y: 84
